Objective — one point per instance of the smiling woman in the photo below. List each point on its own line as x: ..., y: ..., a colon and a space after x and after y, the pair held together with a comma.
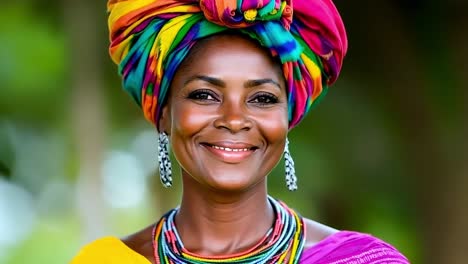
x: 224, y: 82
x: 228, y: 108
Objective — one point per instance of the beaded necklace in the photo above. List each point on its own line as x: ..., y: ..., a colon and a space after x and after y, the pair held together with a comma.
x: 283, y: 243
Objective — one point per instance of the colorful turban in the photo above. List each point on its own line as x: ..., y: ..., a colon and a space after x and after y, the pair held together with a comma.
x: 150, y: 39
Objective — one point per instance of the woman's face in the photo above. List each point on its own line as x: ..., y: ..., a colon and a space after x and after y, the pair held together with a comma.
x: 227, y: 114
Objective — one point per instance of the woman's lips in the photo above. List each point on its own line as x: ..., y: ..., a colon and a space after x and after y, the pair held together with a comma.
x: 230, y: 152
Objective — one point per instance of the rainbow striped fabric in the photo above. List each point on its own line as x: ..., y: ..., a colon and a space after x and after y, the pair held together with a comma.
x: 150, y: 38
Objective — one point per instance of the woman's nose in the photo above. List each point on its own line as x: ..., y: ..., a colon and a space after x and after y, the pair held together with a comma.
x: 233, y: 116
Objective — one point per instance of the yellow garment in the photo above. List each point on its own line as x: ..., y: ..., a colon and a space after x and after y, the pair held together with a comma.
x: 108, y: 250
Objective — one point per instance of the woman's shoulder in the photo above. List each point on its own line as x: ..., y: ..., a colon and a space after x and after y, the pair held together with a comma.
x: 349, y: 247
x: 108, y: 250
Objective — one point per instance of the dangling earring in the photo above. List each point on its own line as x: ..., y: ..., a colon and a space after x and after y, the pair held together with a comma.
x: 291, y: 179
x: 165, y: 167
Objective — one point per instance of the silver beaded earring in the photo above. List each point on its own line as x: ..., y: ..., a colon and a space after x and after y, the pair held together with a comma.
x: 165, y: 167
x: 291, y: 179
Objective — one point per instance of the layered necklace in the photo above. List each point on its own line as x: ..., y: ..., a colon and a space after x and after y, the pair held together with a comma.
x: 283, y: 243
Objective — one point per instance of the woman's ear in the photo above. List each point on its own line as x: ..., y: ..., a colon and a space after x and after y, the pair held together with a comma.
x: 164, y: 123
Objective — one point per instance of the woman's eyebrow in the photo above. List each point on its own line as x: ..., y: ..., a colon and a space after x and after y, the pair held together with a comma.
x: 220, y: 83
x: 253, y: 83
x: 208, y: 79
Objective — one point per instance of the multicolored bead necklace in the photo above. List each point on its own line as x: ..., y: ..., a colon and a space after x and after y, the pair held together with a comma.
x: 283, y: 243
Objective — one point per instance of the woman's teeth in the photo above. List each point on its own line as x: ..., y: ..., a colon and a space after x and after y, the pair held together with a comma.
x: 230, y: 149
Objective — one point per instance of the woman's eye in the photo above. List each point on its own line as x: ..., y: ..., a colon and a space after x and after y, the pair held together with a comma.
x: 203, y: 95
x: 264, y: 98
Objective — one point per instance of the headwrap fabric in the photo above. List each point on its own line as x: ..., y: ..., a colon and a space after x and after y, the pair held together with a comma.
x: 150, y: 38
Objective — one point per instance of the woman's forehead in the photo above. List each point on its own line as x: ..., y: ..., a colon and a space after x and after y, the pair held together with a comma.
x: 230, y: 51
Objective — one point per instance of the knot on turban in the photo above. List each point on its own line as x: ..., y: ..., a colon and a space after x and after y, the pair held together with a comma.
x: 241, y: 14
x: 150, y: 38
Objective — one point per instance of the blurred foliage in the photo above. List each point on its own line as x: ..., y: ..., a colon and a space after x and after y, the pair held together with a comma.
x: 32, y: 67
x: 381, y: 154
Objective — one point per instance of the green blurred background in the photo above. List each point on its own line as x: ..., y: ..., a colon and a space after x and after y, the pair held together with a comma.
x: 384, y: 153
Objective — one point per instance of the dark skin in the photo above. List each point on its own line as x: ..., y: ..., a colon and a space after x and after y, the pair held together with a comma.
x: 227, y: 121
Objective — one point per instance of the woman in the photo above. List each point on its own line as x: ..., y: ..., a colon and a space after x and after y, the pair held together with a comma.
x: 224, y: 82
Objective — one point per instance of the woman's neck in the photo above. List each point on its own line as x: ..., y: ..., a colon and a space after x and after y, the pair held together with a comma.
x: 213, y: 224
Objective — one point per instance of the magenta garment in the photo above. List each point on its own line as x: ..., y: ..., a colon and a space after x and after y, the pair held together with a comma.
x: 346, y: 247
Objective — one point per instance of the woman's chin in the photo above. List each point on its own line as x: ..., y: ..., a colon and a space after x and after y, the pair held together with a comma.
x: 231, y: 184
x: 229, y: 179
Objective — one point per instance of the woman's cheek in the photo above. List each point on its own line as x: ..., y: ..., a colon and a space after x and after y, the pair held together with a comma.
x: 189, y: 118
x: 275, y: 125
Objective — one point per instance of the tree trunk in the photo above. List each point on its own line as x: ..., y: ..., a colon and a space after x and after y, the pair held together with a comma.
x: 87, y: 107
x: 439, y: 182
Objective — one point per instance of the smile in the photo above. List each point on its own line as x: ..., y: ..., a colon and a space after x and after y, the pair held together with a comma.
x: 230, y: 152
x: 230, y: 149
